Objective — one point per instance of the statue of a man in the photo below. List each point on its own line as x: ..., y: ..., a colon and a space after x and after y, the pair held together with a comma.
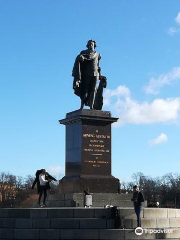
x: 86, y: 72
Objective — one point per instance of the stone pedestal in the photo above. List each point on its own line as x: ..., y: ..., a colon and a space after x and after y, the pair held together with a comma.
x: 98, y: 200
x: 88, y: 152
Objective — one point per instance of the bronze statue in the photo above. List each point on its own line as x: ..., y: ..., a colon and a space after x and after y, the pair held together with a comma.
x: 86, y: 73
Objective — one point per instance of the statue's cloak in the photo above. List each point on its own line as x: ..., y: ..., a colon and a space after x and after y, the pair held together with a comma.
x: 77, y: 71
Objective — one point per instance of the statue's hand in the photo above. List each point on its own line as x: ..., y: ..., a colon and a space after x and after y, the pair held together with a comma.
x: 81, y: 58
x: 76, y: 84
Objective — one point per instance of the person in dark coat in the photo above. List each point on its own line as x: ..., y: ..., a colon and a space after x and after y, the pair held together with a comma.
x: 42, y: 180
x: 36, y: 181
x: 137, y: 199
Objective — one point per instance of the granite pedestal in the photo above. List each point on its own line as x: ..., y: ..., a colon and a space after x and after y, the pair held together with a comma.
x: 88, y: 153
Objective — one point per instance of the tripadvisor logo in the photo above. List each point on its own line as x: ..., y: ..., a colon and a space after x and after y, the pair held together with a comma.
x: 139, y: 231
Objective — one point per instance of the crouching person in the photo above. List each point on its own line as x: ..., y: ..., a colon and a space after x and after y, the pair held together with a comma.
x: 137, y: 199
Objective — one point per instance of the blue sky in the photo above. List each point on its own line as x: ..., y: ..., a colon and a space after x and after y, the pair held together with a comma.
x: 139, y: 45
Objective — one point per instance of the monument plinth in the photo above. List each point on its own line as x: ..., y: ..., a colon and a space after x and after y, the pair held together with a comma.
x: 88, y: 152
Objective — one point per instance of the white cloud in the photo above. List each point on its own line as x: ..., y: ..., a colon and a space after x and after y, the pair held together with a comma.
x: 120, y: 91
x: 173, y: 30
x: 155, y: 84
x: 177, y: 19
x: 55, y: 170
x: 132, y: 111
x: 162, y: 138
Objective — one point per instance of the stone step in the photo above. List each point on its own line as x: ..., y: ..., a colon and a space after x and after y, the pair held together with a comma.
x: 57, y: 223
x: 96, y: 196
x: 103, y: 234
x: 152, y: 223
x: 80, y: 203
x: 39, y: 213
x: 130, y: 234
x: 151, y: 213
x: 86, y: 213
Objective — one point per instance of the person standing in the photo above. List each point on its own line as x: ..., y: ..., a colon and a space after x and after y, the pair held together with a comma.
x: 137, y: 199
x: 42, y: 188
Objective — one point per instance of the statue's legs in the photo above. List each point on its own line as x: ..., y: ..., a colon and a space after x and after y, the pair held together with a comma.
x: 82, y: 103
x: 84, y: 99
x: 93, y: 91
x: 88, y: 91
x: 84, y: 90
x: 92, y: 97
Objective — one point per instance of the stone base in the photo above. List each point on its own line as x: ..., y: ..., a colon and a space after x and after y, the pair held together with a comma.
x: 85, y: 223
x: 94, y: 184
x: 98, y: 200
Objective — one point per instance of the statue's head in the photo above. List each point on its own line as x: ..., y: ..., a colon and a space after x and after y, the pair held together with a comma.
x: 91, y: 44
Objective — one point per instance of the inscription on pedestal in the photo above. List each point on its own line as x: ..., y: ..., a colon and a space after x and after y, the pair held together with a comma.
x: 96, y: 149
